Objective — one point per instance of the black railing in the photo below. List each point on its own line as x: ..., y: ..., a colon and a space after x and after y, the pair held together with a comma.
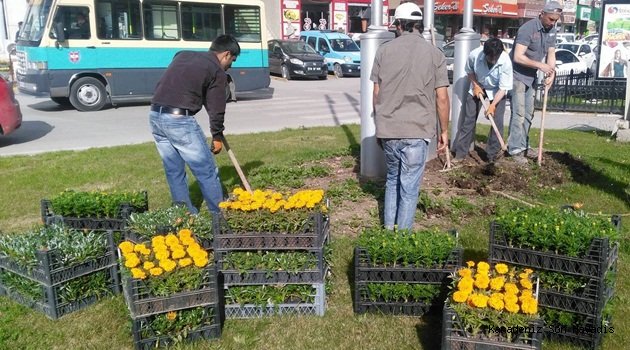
x: 583, y: 93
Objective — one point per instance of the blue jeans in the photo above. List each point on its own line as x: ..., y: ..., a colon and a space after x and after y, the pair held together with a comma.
x: 405, y: 160
x: 522, y: 105
x: 180, y: 141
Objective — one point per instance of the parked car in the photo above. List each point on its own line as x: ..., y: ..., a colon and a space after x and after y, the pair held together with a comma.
x: 341, y: 53
x: 566, y: 61
x: 583, y: 51
x: 10, y: 113
x: 295, y: 58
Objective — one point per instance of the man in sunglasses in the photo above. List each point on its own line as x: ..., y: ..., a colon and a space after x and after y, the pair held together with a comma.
x: 192, y: 80
x: 534, y: 41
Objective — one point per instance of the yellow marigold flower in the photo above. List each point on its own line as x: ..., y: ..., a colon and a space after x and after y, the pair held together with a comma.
x: 528, y: 271
x: 465, y: 284
x: 184, y: 233
x: 480, y: 300
x: 237, y: 191
x: 510, y: 288
x: 501, y: 268
x: 168, y: 265
x: 146, y: 252
x: 157, y: 240
x: 465, y: 272
x: 148, y: 265
x: 172, y: 315
x: 460, y: 296
x: 184, y: 262
x: 496, y: 303
x: 526, y: 293
x: 139, y: 247
x: 126, y: 247
x: 171, y: 239
x: 470, y: 264
x: 526, y: 283
x: 513, y: 308
x: 156, y: 271
x: 529, y: 306
x: 481, y: 281
x: 178, y: 254
x: 499, y: 296
x: 200, y: 262
x: 483, y: 267
x: 138, y: 273
x: 162, y: 255
x: 510, y: 299
x: 276, y: 196
x: 131, y: 260
x: 187, y: 241
x: 224, y: 205
x: 497, y: 283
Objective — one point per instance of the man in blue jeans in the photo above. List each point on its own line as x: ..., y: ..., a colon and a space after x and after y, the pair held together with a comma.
x: 410, y: 86
x: 534, y: 41
x: 191, y: 80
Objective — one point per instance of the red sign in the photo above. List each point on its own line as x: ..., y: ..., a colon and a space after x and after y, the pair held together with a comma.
x: 74, y: 56
x: 490, y: 8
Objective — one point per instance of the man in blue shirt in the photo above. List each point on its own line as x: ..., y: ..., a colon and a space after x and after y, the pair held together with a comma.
x: 489, y: 70
x: 534, y: 41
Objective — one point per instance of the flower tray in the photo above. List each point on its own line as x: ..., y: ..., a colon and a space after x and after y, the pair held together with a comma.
x: 145, y: 337
x: 52, y: 305
x: 135, y: 238
x: 589, y: 302
x: 117, y: 224
x: 588, y: 335
x: 366, y: 271
x: 363, y: 303
x: 314, y: 234
x: 51, y: 270
x: 141, y: 303
x: 454, y: 336
x: 257, y: 311
x: 303, y: 276
x: 594, y: 264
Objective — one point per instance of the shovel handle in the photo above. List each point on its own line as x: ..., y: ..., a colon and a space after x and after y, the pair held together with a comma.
x: 236, y: 165
x: 486, y: 105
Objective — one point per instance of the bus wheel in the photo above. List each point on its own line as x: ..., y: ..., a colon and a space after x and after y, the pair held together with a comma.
x: 63, y: 101
x: 88, y: 94
x: 338, y: 71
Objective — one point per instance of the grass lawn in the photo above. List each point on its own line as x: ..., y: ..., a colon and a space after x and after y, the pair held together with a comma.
x: 291, y: 159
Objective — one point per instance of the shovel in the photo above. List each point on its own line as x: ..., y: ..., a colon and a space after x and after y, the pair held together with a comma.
x: 486, y: 105
x: 542, y: 126
x: 236, y: 165
x: 447, y: 164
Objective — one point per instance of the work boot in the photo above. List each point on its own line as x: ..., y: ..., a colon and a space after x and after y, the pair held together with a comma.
x: 531, y: 153
x: 519, y: 158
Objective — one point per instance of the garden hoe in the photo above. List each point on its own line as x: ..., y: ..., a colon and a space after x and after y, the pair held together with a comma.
x: 447, y: 164
x: 486, y: 105
x: 236, y: 165
x: 542, y: 126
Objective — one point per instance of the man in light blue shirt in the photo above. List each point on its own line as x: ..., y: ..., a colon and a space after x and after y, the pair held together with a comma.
x: 489, y: 70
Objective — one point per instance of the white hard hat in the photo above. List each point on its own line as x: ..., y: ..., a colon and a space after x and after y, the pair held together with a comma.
x: 408, y: 11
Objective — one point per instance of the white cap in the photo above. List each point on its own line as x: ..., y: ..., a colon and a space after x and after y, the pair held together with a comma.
x: 408, y: 11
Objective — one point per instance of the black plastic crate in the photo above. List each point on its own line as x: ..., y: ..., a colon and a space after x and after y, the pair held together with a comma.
x: 588, y: 335
x: 367, y: 271
x: 255, y: 277
x: 132, y: 236
x: 454, y: 336
x: 145, y: 337
x: 117, y: 224
x: 51, y: 270
x: 363, y: 303
x: 314, y: 234
x: 317, y: 308
x: 52, y: 305
x: 589, y: 302
x: 142, y: 303
x: 594, y: 264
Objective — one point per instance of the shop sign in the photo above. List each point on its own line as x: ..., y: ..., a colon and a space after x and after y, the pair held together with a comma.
x: 446, y: 7
x: 585, y: 13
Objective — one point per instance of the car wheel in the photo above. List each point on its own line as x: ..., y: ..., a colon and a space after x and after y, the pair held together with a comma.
x: 63, y: 101
x: 338, y: 71
x: 285, y: 72
x: 88, y: 94
x: 323, y: 77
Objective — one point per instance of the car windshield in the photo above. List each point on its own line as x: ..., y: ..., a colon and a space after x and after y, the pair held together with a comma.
x: 571, y: 47
x: 297, y: 47
x: 344, y: 45
x: 565, y: 57
x: 33, y: 27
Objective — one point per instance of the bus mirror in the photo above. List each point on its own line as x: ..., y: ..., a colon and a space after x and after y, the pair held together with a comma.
x: 59, y: 32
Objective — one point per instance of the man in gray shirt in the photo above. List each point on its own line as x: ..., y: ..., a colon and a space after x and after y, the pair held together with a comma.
x: 410, y: 87
x: 534, y: 40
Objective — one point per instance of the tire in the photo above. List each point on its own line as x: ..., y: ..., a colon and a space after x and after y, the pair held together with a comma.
x: 285, y: 72
x: 323, y: 77
x: 62, y: 101
x: 88, y: 94
x: 338, y: 71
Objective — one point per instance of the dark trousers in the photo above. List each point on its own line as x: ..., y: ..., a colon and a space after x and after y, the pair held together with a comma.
x: 467, y: 124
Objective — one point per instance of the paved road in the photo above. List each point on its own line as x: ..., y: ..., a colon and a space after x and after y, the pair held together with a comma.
x: 286, y: 104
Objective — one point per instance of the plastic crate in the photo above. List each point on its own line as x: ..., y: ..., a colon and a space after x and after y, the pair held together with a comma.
x: 141, y: 303
x: 317, y: 308
x: 594, y: 264
x: 52, y: 305
x: 454, y: 336
x: 589, y: 302
x: 117, y: 224
x: 313, y: 235
x: 145, y: 338
x: 363, y: 303
x: 303, y: 276
x: 578, y: 335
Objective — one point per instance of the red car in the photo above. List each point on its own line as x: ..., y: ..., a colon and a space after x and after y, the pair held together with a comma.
x: 10, y: 113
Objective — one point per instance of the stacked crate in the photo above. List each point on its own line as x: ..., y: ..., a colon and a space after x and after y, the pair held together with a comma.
x: 367, y: 272
x: 589, y: 304
x: 311, y: 240
x: 52, y: 276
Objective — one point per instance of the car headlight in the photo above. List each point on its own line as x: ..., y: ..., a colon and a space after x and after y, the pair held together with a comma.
x: 296, y: 61
x: 40, y: 65
x: 347, y: 59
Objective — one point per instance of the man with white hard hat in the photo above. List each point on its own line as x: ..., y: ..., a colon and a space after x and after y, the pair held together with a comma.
x: 410, y: 87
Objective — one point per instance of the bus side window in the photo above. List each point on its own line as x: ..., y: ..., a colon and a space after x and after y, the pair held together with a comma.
x: 243, y: 22
x: 160, y: 21
x: 118, y: 19
x: 74, y: 20
x: 201, y: 22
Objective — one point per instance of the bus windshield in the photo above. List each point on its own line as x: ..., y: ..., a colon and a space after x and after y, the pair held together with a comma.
x: 33, y: 26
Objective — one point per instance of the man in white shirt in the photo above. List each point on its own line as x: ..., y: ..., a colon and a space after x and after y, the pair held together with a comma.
x: 489, y: 70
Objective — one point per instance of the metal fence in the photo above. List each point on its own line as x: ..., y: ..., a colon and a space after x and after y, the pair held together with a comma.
x: 583, y: 93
